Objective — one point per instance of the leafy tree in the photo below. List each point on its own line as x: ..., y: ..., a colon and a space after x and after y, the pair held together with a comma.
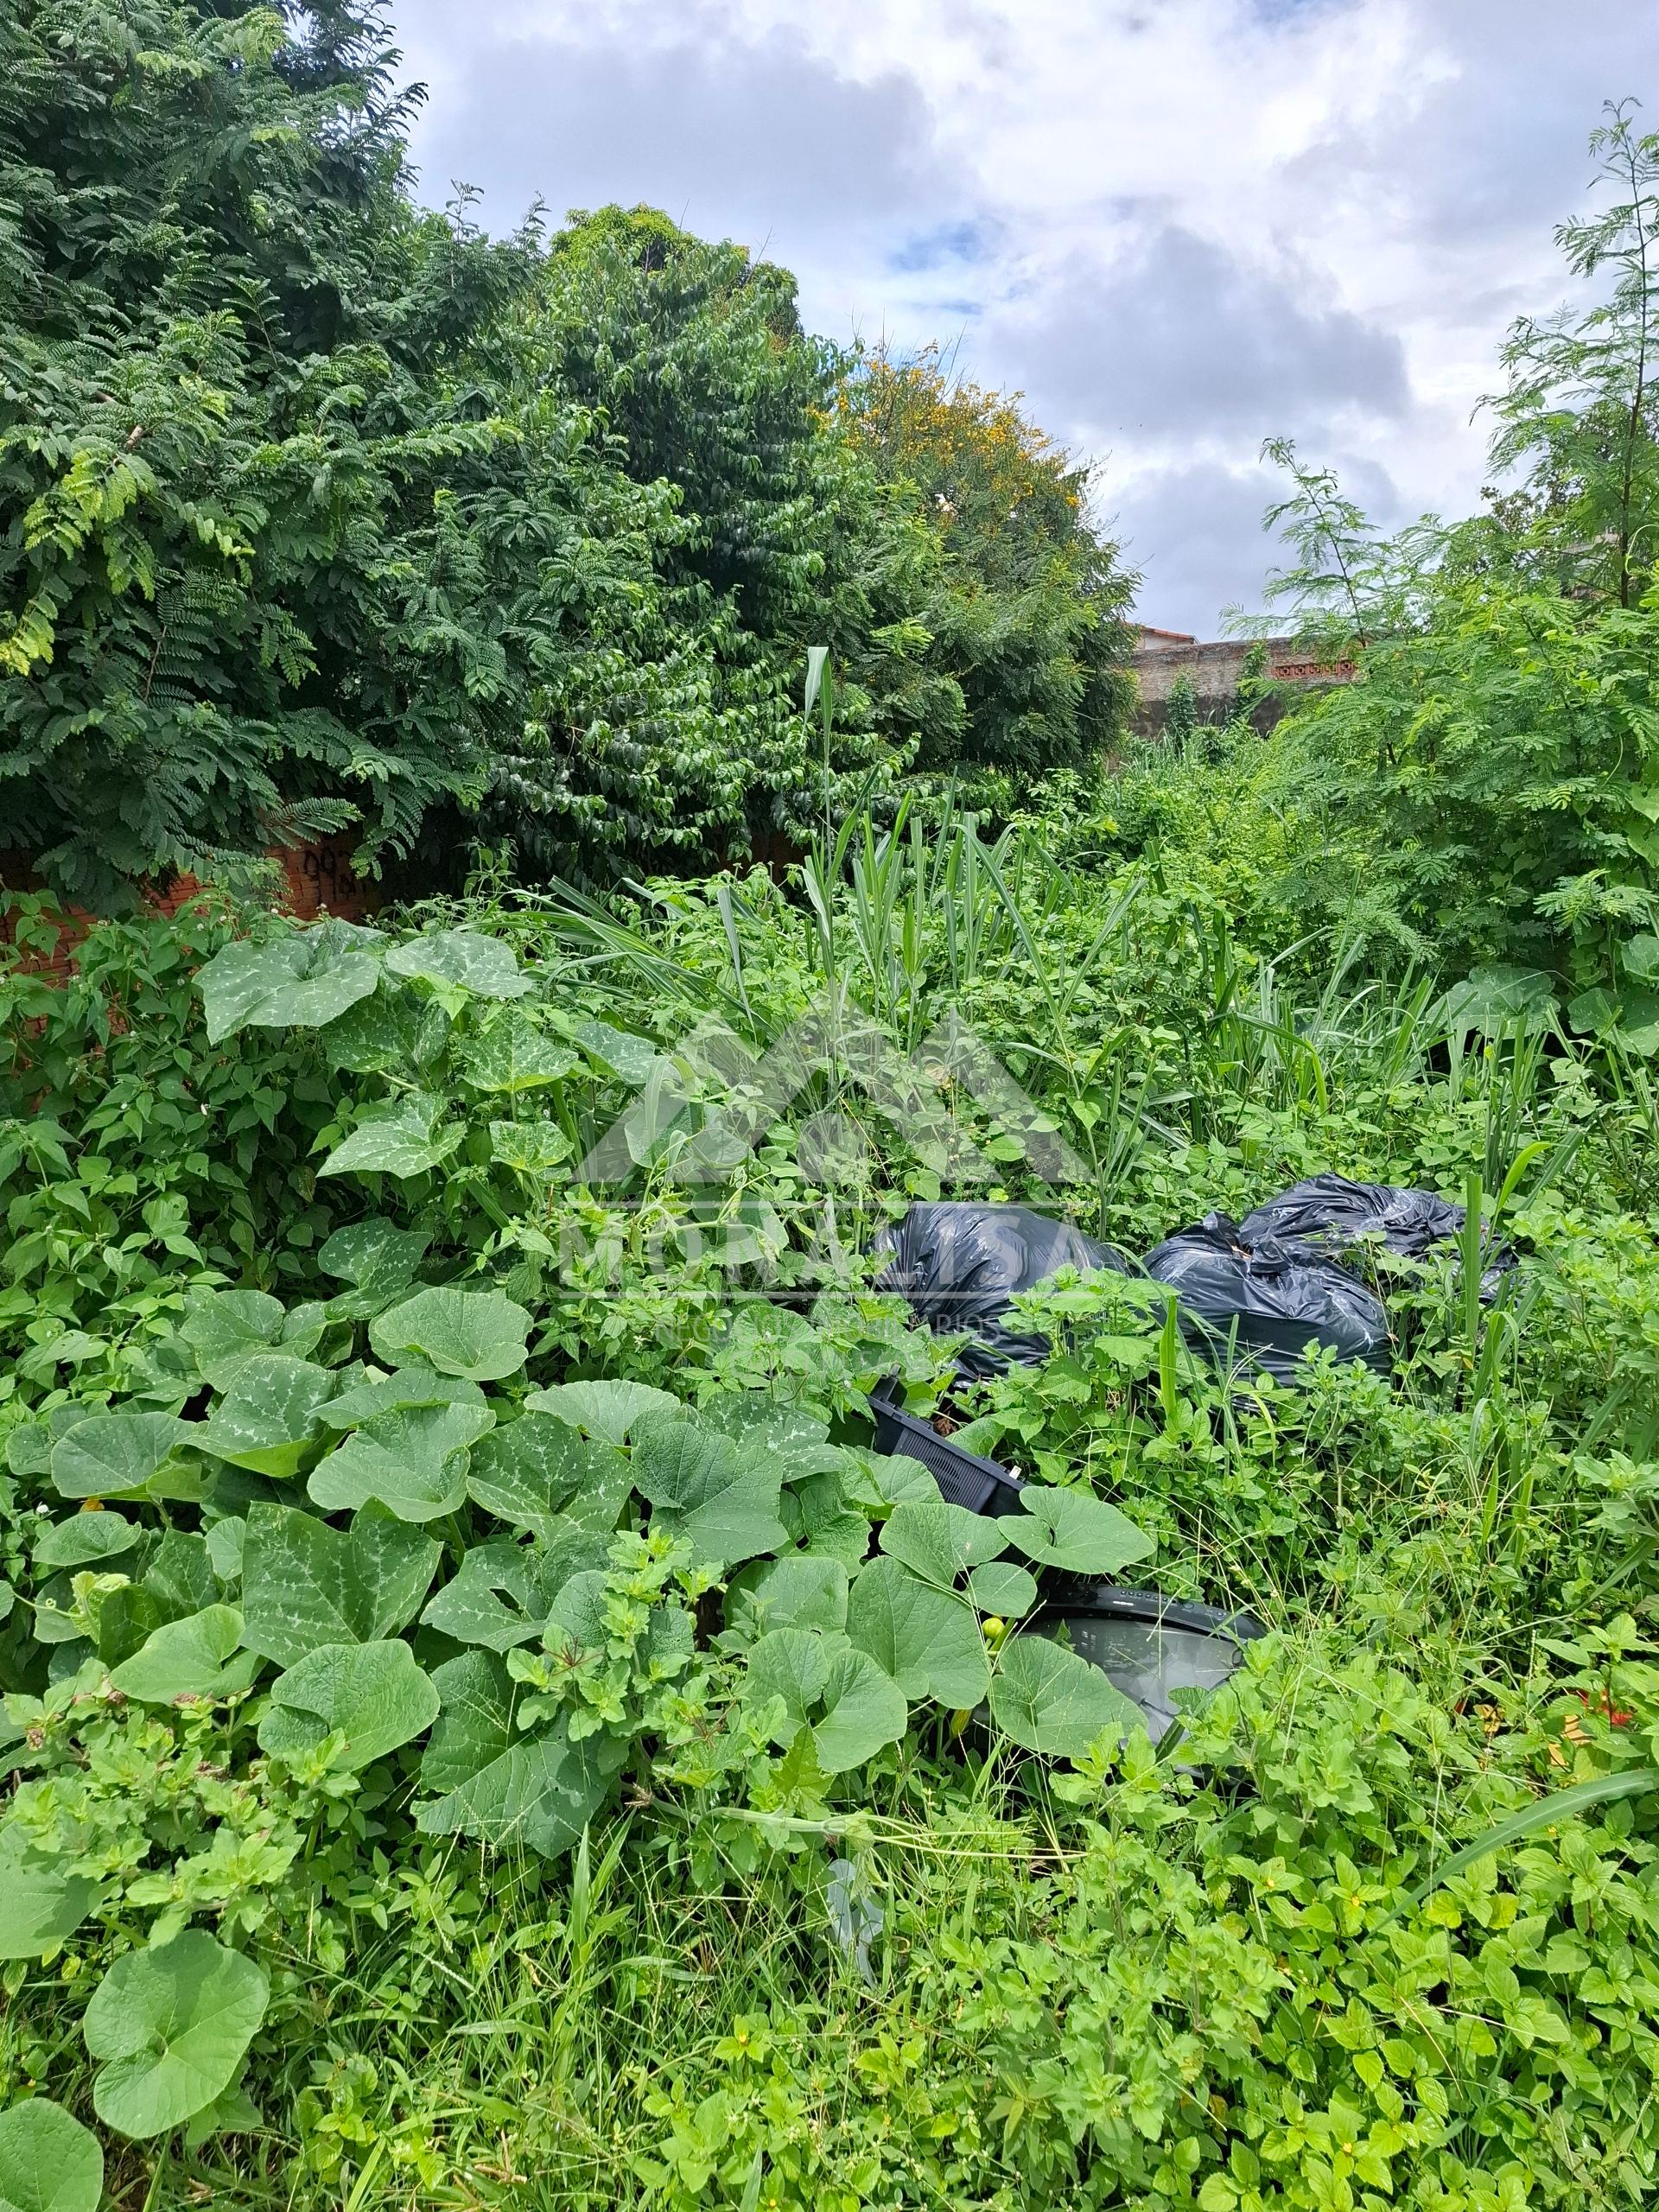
x: 782, y: 534
x: 319, y: 511
x: 1579, y: 416
x: 1488, y: 791
x: 240, y: 596
x: 1029, y: 617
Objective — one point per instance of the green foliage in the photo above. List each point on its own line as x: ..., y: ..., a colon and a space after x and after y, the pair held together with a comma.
x: 318, y: 511
x: 670, y: 1626
x: 171, y: 2025
x: 1487, y: 790
x: 241, y: 601
x: 48, y: 2161
x: 480, y: 1720
x: 1025, y: 614
x: 1578, y: 413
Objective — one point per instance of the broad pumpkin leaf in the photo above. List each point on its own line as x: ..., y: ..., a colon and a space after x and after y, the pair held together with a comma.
x: 502, y: 1592
x: 414, y: 1461
x: 111, y: 1455
x: 180, y: 1575
x: 395, y: 1136
x: 388, y: 1034
x: 305, y: 1584
x: 1492, y: 998
x: 791, y: 1434
x: 29, y: 1446
x: 398, y: 1392
x: 877, y: 1484
x: 940, y: 1542
x: 478, y: 1333
x: 845, y: 1537
x: 300, y: 980
x: 1046, y: 1698
x: 223, y: 1326
x: 124, y: 1615
x: 225, y: 1541
x: 923, y: 1637
x: 461, y: 960
x: 84, y: 1536
x: 610, y: 1410
x: 863, y: 1709
x: 576, y: 1619
x: 269, y: 1414
x: 794, y: 1591
x: 48, y: 2161
x: 1632, y: 1011
x: 501, y: 1788
x: 531, y: 1147
x: 1638, y: 1018
x: 1595, y: 1010
x: 1069, y: 1529
x: 43, y: 1904
x: 511, y: 1054
x: 705, y: 1489
x: 822, y: 1683
x: 817, y: 1516
x: 792, y: 1664
x: 378, y: 1258
x: 619, y: 1051
x: 373, y: 1694
x: 171, y: 2026
x: 1003, y: 1588
x: 539, y: 1474
x: 199, y: 1657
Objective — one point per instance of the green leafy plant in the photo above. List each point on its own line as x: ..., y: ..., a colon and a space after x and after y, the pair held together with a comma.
x: 48, y: 2161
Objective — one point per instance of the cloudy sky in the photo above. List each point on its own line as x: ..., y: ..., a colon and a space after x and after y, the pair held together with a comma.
x: 1179, y: 225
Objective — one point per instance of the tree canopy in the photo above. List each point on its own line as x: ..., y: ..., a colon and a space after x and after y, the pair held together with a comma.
x: 319, y: 510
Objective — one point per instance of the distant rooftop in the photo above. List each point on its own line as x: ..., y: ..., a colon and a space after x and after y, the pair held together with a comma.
x: 1166, y: 637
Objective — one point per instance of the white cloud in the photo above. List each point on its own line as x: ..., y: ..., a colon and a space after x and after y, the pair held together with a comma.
x: 1178, y: 224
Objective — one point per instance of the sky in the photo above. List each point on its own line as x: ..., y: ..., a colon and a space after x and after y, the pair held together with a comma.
x: 1179, y: 226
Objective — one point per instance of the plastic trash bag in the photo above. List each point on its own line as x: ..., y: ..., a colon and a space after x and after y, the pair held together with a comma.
x: 961, y: 1265
x: 1279, y: 1298
x: 1329, y: 1215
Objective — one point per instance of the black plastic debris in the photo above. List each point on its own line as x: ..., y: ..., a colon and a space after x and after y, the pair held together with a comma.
x: 1268, y: 1304
x: 962, y: 1265
x: 983, y: 1486
x: 1332, y: 1213
x: 1148, y: 1645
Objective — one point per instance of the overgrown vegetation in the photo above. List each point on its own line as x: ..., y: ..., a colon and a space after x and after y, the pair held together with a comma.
x: 318, y: 511
x: 485, y: 1728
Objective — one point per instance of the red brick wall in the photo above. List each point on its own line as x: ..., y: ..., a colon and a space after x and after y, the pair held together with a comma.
x: 318, y: 876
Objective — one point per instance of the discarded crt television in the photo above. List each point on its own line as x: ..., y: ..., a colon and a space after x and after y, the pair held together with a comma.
x: 1148, y: 1645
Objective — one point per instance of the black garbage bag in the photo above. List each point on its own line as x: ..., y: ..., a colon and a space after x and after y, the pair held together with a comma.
x: 1328, y: 1215
x: 1271, y: 1302
x: 1331, y: 1212
x: 961, y: 1265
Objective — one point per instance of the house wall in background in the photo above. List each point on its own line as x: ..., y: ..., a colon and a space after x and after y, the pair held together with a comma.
x: 1214, y: 671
